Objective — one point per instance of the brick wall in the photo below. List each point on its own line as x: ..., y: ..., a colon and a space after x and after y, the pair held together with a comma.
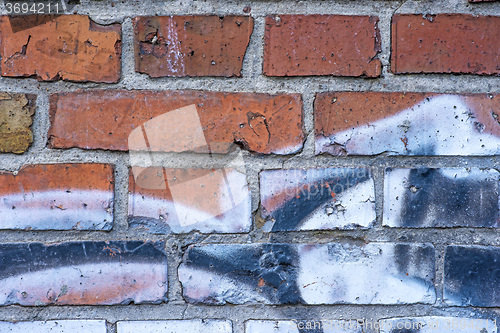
x: 259, y: 166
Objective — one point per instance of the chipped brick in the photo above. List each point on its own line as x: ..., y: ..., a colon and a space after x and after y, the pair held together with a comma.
x: 194, y: 45
x: 446, y: 197
x: 82, y: 273
x: 445, y: 43
x: 315, y: 199
x: 371, y: 123
x: 16, y: 113
x: 164, y: 200
x: 57, y: 197
x: 298, y: 45
x: 375, y: 273
x: 67, y: 47
x: 261, y: 123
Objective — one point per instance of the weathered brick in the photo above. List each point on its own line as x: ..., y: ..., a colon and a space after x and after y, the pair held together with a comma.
x: 201, y: 45
x: 471, y: 276
x: 337, y: 45
x: 299, y: 326
x: 446, y: 197
x: 16, y: 113
x: 482, y: 0
x: 54, y: 326
x: 445, y: 43
x: 314, y: 199
x: 437, y: 324
x: 261, y: 123
x: 163, y: 200
x: 57, y: 197
x: 175, y: 326
x: 375, y: 273
x: 67, y: 47
x: 371, y: 123
x: 93, y: 273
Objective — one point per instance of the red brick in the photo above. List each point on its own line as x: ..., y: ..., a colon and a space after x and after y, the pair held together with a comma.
x: 297, y: 45
x: 445, y: 43
x: 371, y: 123
x: 57, y: 197
x: 104, y: 119
x: 67, y: 47
x: 199, y: 45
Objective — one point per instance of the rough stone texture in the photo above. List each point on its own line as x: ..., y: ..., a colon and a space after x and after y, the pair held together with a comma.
x: 471, y: 276
x: 163, y: 200
x: 79, y: 273
x: 445, y: 43
x: 54, y: 326
x: 437, y: 324
x: 375, y: 273
x: 175, y: 326
x: 371, y: 123
x: 315, y: 199
x: 16, y: 113
x: 261, y: 123
x: 201, y: 45
x: 337, y: 45
x: 67, y: 47
x: 302, y: 326
x: 57, y: 197
x: 446, y: 197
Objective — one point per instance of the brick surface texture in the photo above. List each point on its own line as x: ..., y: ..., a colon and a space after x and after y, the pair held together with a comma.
x: 266, y: 166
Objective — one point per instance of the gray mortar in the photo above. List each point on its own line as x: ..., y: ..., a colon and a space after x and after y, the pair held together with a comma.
x: 253, y: 81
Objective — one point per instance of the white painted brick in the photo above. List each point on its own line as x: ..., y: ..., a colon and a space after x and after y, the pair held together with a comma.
x: 437, y: 324
x: 175, y: 326
x: 54, y: 326
x: 293, y: 326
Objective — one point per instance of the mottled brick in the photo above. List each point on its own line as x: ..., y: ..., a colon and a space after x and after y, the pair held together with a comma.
x: 57, y: 197
x: 313, y: 199
x: 446, y: 197
x: 16, y: 113
x: 175, y: 326
x: 67, y: 47
x: 302, y: 326
x: 471, y: 276
x: 163, y: 200
x: 54, y: 326
x: 396, y: 123
x: 261, y: 123
x: 437, y: 324
x: 83, y: 273
x: 445, y: 43
x: 193, y: 45
x: 297, y: 45
x: 375, y: 273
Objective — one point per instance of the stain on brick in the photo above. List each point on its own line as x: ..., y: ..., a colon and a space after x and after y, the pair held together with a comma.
x: 66, y: 47
x: 262, y: 123
x: 433, y: 324
x: 315, y: 199
x: 57, y: 197
x: 175, y: 326
x: 290, y: 274
x: 164, y: 200
x: 445, y: 43
x: 82, y: 273
x: 298, y: 45
x: 16, y: 113
x: 447, y: 197
x: 471, y: 276
x: 406, y: 124
x: 54, y: 326
x: 194, y: 45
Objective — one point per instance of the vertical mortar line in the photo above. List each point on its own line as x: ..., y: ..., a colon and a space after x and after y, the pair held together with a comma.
x: 308, y: 98
x: 239, y: 325
x: 128, y: 53
x: 252, y: 61
x: 120, y: 223
x: 41, y: 123
x: 174, y: 259
x: 111, y: 327
x: 378, y: 179
x: 439, y: 271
